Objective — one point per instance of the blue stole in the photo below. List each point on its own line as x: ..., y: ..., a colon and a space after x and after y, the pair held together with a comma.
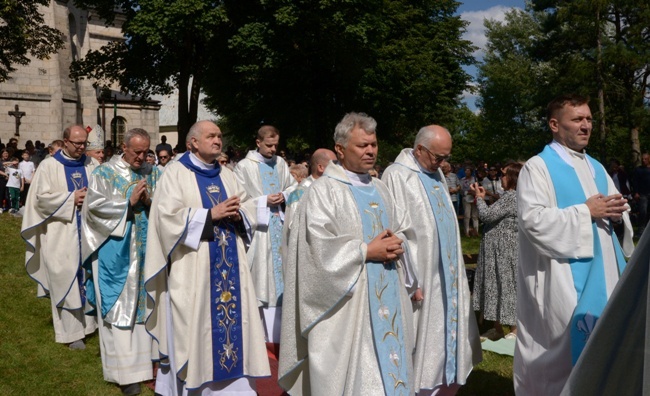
x: 75, y: 176
x: 271, y: 185
x: 225, y: 296
x: 114, y: 256
x: 384, y: 298
x: 588, y: 273
x: 446, y: 224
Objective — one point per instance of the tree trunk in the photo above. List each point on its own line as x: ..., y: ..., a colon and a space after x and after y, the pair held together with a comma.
x: 601, y: 90
x: 636, y: 146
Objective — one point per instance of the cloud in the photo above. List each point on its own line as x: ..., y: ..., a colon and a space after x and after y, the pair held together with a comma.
x: 476, y: 31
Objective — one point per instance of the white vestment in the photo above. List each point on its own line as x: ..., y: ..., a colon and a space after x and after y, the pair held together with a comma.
x: 260, y: 258
x: 546, y: 295
x: 615, y: 360
x: 124, y: 343
x: 53, y: 257
x: 327, y: 345
x: 424, y: 251
x: 177, y: 273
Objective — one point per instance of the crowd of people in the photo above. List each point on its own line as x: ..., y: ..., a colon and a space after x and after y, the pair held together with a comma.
x: 195, y: 266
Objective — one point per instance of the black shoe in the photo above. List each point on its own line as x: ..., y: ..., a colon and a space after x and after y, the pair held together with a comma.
x: 131, y: 389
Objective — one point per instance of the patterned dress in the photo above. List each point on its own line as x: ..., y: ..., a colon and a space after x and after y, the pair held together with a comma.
x: 495, y: 287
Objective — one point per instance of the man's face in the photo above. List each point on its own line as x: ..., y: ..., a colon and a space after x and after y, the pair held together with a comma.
x: 75, y: 145
x: 572, y: 126
x: 135, y: 151
x: 430, y: 158
x: 25, y: 156
x: 645, y: 159
x: 208, y: 144
x: 163, y: 157
x: 268, y: 146
x: 360, y: 154
x: 97, y: 154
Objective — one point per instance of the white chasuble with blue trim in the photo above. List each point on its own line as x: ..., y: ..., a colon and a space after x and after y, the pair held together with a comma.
x: 386, y: 316
x: 225, y: 289
x: 271, y: 185
x: 588, y: 273
x: 446, y: 224
x: 76, y: 178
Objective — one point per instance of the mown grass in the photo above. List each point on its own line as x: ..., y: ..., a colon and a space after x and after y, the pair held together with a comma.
x: 31, y: 363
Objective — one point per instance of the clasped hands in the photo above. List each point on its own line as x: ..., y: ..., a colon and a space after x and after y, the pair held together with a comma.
x: 226, y: 210
x: 610, y: 206
x: 140, y: 194
x: 274, y: 199
x: 384, y: 248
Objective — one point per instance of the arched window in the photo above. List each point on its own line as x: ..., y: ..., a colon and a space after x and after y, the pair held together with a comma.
x: 118, y: 129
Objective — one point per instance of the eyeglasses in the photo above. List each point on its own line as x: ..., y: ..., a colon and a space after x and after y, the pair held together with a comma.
x: 436, y: 157
x: 79, y: 144
x: 163, y: 156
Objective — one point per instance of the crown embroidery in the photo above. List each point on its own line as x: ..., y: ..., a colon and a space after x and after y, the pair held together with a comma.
x: 76, y: 175
x: 213, y: 188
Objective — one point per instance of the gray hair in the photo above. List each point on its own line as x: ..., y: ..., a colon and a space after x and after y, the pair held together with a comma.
x: 349, y: 122
x: 131, y: 133
x: 427, y: 134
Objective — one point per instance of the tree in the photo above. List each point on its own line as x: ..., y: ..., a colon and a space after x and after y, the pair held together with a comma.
x: 512, y: 89
x: 167, y: 44
x: 23, y: 32
x: 603, y: 47
x: 301, y: 65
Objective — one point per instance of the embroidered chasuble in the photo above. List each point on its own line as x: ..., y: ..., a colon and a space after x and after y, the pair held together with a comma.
x: 121, y: 280
x: 225, y: 298
x: 75, y: 175
x: 271, y: 185
x: 383, y: 295
x: 446, y: 226
x: 588, y: 273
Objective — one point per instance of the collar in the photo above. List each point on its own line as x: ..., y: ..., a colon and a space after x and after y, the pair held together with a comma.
x: 566, y: 153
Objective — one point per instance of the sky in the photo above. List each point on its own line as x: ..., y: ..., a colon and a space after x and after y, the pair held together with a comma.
x: 474, y: 12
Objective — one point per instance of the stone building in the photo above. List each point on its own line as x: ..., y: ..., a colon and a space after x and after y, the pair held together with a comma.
x: 50, y: 100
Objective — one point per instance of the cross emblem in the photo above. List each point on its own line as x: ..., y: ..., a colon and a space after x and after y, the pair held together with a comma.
x: 18, y: 115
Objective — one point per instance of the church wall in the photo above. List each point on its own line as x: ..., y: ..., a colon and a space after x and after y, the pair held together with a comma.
x: 44, y: 91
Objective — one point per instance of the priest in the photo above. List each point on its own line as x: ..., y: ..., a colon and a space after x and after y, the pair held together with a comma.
x: 266, y: 178
x: 348, y: 326
x: 114, y: 237
x: 51, y: 226
x: 570, y: 258
x: 203, y: 309
x: 447, y: 338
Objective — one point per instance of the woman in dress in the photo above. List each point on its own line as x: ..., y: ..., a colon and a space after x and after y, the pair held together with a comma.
x: 495, y: 287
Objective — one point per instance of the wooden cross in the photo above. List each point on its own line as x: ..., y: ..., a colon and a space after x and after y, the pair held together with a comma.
x: 18, y: 114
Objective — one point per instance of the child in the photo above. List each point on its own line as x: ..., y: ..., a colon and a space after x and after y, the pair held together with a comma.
x: 15, y: 184
x: 27, y: 168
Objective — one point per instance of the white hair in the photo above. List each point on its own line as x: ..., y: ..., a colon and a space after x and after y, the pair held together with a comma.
x: 349, y: 122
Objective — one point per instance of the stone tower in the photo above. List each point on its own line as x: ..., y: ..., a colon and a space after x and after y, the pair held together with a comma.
x: 51, y: 101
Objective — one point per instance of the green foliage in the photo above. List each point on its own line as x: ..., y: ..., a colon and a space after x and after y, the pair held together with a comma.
x: 168, y: 43
x: 23, y: 32
x: 301, y: 65
x: 595, y: 48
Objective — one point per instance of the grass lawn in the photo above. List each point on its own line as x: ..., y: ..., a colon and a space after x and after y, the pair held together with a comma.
x: 31, y: 363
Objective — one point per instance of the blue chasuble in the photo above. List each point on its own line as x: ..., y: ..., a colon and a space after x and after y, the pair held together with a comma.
x: 75, y: 176
x: 383, y: 295
x: 588, y: 273
x: 271, y: 185
x: 225, y: 295
x: 446, y: 224
x: 114, y: 256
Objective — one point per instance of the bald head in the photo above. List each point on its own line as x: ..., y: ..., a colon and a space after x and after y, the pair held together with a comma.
x: 319, y: 161
x: 432, y: 146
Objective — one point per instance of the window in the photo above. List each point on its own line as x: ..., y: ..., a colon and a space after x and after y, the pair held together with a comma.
x: 118, y: 129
